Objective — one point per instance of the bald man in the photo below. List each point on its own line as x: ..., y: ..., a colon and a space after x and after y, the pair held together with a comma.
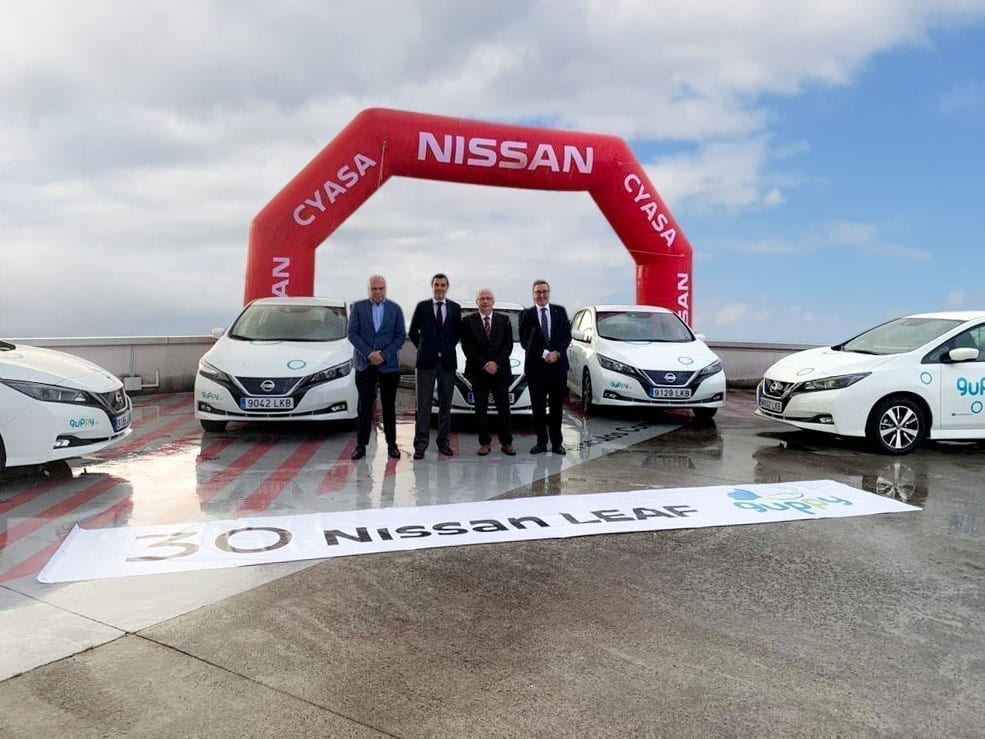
x: 487, y: 340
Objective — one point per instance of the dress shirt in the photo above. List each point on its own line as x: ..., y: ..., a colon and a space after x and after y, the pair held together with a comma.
x: 377, y: 315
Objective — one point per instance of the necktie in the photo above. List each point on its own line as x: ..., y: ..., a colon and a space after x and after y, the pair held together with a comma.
x: 543, y: 325
x: 488, y: 325
x: 438, y: 320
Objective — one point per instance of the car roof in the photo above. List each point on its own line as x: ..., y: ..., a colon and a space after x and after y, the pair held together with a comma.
x: 953, y: 315
x: 328, y: 302
x: 613, y: 308
x: 500, y: 305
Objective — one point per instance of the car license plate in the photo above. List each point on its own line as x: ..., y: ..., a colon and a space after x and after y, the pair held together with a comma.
x: 266, y: 404
x: 470, y: 399
x: 122, y: 421
x: 674, y: 393
x: 768, y: 404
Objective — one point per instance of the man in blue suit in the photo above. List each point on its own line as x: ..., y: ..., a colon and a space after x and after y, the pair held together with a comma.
x: 376, y: 332
x: 435, y: 329
x: 545, y: 333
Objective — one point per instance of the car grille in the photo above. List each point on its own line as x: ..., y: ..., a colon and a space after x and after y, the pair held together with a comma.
x: 115, y: 401
x: 668, y: 378
x: 281, y: 385
x: 775, y: 388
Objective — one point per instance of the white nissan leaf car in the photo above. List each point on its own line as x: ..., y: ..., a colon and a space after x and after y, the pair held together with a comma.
x: 463, y: 401
x: 642, y: 355
x: 55, y: 405
x: 916, y: 377
x: 283, y: 359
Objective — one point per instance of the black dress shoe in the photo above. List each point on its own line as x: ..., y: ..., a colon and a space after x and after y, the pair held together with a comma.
x: 418, y: 454
x: 446, y: 450
x: 393, y: 451
x: 558, y: 449
x: 358, y: 453
x: 538, y: 449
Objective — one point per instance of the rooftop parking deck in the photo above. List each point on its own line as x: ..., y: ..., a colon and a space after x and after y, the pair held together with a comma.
x: 854, y: 626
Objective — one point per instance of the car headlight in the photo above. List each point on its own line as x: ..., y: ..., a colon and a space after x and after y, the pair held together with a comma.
x: 213, y: 373
x: 51, y: 393
x: 832, y: 383
x: 712, y: 369
x: 614, y: 365
x: 332, y: 373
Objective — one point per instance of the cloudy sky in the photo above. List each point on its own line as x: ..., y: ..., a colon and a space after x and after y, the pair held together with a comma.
x: 825, y: 158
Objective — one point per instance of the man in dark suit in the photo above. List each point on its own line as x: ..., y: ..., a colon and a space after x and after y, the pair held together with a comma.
x: 376, y: 332
x: 487, y: 340
x: 435, y: 329
x: 545, y: 333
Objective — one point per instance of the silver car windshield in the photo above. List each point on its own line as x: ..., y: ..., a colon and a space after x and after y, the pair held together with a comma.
x: 899, y: 336
x: 290, y: 323
x: 642, y: 326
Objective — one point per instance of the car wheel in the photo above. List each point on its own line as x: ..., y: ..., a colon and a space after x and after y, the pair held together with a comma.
x: 896, y: 426
x: 704, y: 414
x: 213, y: 425
x: 587, y: 403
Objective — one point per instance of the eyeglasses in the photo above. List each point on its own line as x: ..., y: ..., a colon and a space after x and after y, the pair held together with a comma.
x: 541, y: 292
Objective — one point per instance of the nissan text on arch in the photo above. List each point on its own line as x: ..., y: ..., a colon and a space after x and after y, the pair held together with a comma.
x: 914, y: 378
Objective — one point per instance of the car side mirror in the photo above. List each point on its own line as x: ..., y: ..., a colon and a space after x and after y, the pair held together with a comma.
x: 577, y: 334
x: 218, y: 332
x: 963, y: 354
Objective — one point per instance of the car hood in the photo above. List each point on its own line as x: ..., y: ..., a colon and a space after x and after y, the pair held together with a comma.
x: 824, y: 361
x: 34, y: 364
x: 516, y: 359
x: 277, y: 358
x: 658, y: 355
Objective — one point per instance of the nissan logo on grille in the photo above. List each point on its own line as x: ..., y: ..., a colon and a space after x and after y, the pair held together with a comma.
x: 670, y: 377
x: 268, y: 386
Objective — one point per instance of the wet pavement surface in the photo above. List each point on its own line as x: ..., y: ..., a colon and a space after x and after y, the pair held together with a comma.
x: 859, y: 626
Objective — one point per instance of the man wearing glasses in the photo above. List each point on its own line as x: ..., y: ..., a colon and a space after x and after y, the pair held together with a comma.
x: 545, y: 333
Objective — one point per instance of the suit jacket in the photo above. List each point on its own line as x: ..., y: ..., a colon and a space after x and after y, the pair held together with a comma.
x: 532, y: 338
x: 436, y: 347
x: 365, y: 339
x: 480, y: 348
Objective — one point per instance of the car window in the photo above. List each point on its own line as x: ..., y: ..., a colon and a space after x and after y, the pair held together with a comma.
x: 578, y: 322
x: 274, y: 322
x: 642, y: 326
x: 513, y: 315
x: 899, y: 336
x: 973, y: 338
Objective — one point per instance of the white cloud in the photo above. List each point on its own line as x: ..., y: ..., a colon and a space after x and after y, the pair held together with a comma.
x: 963, y: 99
x: 964, y: 298
x: 140, y: 139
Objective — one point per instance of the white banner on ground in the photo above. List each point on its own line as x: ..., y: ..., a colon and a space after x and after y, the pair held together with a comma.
x: 88, y: 554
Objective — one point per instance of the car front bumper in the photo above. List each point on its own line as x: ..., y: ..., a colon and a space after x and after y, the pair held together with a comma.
x: 333, y: 400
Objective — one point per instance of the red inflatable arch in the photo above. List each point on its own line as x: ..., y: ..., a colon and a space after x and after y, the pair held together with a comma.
x: 379, y: 144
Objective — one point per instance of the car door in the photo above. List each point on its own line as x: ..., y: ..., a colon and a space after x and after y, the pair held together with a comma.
x: 963, y: 384
x: 577, y: 350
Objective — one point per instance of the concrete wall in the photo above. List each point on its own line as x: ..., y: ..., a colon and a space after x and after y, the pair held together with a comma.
x: 151, y: 363
x: 169, y: 363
